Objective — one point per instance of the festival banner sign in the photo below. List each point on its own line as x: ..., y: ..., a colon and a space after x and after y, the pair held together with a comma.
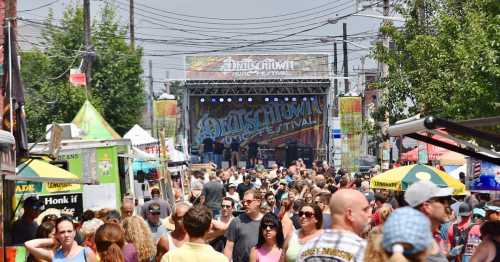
x: 165, y: 116
x: 270, y: 123
x: 351, y: 128
x: 248, y: 67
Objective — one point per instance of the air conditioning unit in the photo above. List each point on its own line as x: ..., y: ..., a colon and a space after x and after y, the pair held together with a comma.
x: 70, y: 131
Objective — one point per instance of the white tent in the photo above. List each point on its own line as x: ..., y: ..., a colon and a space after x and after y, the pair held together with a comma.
x: 139, y: 136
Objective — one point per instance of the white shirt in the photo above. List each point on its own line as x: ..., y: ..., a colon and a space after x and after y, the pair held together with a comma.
x: 333, y: 245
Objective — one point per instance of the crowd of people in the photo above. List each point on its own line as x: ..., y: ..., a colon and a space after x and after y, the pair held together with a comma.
x: 281, y: 214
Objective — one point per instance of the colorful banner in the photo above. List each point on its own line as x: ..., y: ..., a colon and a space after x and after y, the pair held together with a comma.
x: 270, y: 123
x: 484, y: 176
x: 69, y: 204
x: 165, y: 116
x: 351, y: 127
x: 246, y: 67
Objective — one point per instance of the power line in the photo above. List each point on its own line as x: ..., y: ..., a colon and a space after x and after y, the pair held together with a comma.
x: 39, y: 7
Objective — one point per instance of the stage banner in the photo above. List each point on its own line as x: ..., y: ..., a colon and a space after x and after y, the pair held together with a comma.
x: 269, y: 123
x: 165, y: 116
x: 351, y: 128
x: 248, y: 67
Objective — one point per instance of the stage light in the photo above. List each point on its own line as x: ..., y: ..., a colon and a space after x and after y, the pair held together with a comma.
x: 250, y: 99
x: 202, y: 100
x: 221, y: 100
x: 294, y: 99
x: 286, y: 99
x: 276, y: 99
x: 240, y: 99
x: 266, y: 99
x: 229, y: 99
x: 304, y: 99
x: 312, y: 98
x: 214, y: 100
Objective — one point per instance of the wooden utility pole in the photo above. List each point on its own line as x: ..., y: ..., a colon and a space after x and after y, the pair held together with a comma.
x: 335, y: 81
x: 88, y: 46
x: 346, y: 63
x: 131, y: 25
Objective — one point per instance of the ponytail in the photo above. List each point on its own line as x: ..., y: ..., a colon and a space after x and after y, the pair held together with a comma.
x: 397, y: 254
x: 112, y: 254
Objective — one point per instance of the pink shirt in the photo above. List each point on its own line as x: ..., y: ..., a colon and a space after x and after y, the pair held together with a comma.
x: 272, y: 256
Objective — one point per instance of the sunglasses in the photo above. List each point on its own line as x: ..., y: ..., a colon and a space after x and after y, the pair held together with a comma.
x: 269, y: 226
x: 226, y: 206
x: 155, y: 213
x: 248, y: 201
x: 308, y: 214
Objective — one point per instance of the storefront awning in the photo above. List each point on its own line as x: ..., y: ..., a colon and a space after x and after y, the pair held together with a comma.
x: 35, y: 170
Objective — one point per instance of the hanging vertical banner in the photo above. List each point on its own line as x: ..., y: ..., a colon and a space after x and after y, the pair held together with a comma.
x: 351, y: 129
x: 165, y: 117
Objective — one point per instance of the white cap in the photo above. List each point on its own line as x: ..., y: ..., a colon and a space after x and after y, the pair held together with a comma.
x: 422, y: 191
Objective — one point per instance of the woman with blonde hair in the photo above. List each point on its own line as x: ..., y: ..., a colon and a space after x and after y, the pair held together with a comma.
x: 109, y: 240
x: 138, y: 233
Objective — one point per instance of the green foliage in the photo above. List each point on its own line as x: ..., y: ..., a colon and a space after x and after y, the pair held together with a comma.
x: 116, y: 89
x: 445, y: 61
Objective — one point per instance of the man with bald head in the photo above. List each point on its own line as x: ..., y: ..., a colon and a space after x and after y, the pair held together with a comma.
x: 350, y: 212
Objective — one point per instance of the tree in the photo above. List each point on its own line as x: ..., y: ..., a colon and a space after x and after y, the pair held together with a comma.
x: 445, y: 60
x: 116, y: 89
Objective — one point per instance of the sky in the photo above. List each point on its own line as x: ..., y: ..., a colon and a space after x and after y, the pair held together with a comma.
x: 167, y: 30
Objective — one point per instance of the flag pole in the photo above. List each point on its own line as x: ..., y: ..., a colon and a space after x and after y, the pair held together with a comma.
x: 10, y: 78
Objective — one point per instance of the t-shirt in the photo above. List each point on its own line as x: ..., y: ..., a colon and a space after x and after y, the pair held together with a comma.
x: 130, y: 253
x: 208, y: 145
x: 327, y: 221
x: 157, y: 231
x: 235, y: 146
x: 252, y: 148
x: 23, y: 231
x: 190, y: 251
x: 244, y: 232
x: 218, y: 148
x: 333, y: 245
x: 213, y: 192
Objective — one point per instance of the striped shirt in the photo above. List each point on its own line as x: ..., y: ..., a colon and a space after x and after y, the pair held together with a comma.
x: 334, y: 246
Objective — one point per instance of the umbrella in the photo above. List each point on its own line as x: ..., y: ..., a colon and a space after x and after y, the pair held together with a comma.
x: 57, y: 179
x: 401, y: 178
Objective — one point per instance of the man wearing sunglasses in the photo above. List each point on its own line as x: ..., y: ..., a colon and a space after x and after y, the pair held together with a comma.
x: 434, y: 202
x: 243, y: 231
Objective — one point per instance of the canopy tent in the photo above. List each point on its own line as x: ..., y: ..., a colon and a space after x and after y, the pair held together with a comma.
x: 401, y: 178
x: 451, y: 158
x: 93, y: 125
x: 35, y: 170
x: 139, y: 136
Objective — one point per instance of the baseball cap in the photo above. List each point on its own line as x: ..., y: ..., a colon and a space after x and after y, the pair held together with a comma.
x: 479, y: 212
x: 283, y: 182
x: 407, y: 225
x: 464, y: 210
x: 154, y: 208
x: 232, y: 185
x: 34, y: 203
x: 491, y: 207
x: 422, y: 191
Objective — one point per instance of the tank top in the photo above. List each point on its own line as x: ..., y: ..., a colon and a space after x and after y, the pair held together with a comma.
x: 269, y: 257
x: 294, y: 247
x: 79, y: 257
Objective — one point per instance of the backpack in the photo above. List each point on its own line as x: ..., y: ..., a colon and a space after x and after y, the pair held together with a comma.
x: 460, y: 237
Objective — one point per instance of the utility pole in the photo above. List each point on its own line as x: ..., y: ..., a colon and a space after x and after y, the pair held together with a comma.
x: 131, y: 24
x: 346, y: 65
x: 386, y: 159
x: 88, y: 47
x: 151, y: 96
x: 335, y: 80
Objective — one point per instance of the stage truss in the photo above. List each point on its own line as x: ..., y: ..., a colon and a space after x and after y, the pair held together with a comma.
x: 258, y: 87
